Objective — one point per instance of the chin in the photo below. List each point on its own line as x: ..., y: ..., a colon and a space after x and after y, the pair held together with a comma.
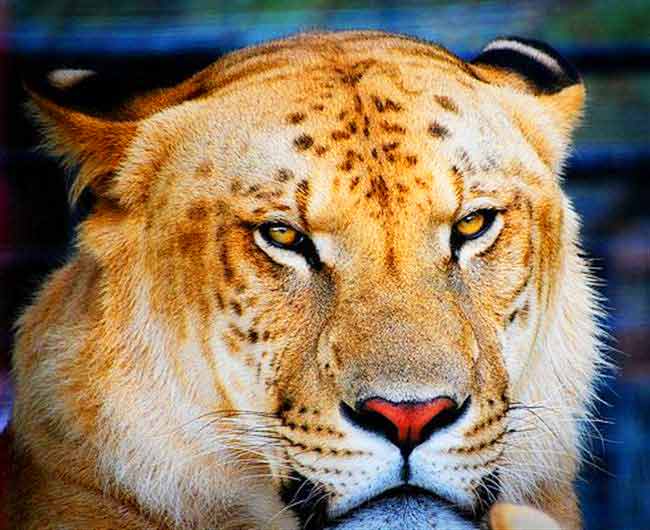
x: 402, y: 508
x: 405, y: 508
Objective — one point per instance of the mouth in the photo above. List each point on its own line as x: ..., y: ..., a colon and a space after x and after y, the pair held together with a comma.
x: 398, y: 508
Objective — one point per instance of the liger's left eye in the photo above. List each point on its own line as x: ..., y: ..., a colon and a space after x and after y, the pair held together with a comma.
x: 473, y: 225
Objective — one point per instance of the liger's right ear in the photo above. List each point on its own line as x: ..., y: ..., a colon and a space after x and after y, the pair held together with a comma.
x: 82, y: 134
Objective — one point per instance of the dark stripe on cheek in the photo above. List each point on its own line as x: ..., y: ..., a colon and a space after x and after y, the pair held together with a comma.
x: 302, y: 199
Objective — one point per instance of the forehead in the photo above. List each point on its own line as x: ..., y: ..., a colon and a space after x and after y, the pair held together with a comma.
x: 371, y: 136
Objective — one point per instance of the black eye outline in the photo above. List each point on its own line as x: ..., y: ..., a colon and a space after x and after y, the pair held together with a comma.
x: 458, y: 239
x: 303, y: 245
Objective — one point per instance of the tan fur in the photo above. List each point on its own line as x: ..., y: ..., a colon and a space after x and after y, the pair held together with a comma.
x: 134, y: 358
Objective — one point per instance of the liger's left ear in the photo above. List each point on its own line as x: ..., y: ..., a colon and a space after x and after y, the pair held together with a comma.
x: 90, y: 119
x: 533, y: 67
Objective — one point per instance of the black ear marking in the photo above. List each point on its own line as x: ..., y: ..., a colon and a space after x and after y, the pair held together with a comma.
x: 544, y: 68
x: 81, y: 89
x: 106, y: 90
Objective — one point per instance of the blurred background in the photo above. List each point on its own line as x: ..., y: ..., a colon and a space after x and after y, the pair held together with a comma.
x: 607, y: 176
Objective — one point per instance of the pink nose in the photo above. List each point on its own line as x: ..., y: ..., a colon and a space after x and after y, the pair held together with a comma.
x: 410, y: 419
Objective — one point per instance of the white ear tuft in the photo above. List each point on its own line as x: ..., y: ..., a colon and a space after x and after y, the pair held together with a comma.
x: 543, y: 68
x: 67, y: 78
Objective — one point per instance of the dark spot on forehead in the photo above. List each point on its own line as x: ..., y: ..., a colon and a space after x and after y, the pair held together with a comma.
x: 366, y: 126
x: 358, y: 105
x: 303, y: 142
x: 420, y: 183
x: 390, y: 146
x: 393, y: 127
x: 296, y: 117
x: 446, y: 103
x: 284, y: 175
x: 340, y: 135
x: 352, y: 78
x: 386, y: 105
x: 352, y: 127
x: 393, y: 106
x: 437, y: 130
x: 343, y: 114
x: 318, y: 106
x: 379, y: 104
x: 352, y: 154
x: 320, y: 150
x: 379, y: 191
x: 411, y: 160
x: 347, y: 164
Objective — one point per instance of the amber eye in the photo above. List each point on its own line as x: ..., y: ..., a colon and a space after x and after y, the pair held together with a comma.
x: 287, y: 238
x: 282, y: 236
x: 471, y: 225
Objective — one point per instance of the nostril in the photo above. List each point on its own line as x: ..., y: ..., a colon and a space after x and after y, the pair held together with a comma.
x: 406, y: 424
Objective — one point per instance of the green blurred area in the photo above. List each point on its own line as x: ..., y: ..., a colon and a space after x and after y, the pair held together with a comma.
x: 595, y: 21
x: 617, y: 110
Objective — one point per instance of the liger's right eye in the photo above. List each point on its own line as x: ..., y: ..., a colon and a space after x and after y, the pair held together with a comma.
x: 286, y: 237
x: 282, y: 236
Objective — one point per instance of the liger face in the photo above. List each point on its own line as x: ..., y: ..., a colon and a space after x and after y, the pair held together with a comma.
x: 328, y: 282
x: 358, y: 259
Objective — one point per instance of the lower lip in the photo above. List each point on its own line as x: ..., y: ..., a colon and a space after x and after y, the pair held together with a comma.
x: 412, y: 510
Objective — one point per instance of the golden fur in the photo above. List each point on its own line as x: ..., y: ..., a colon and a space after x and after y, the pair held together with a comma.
x: 176, y: 371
